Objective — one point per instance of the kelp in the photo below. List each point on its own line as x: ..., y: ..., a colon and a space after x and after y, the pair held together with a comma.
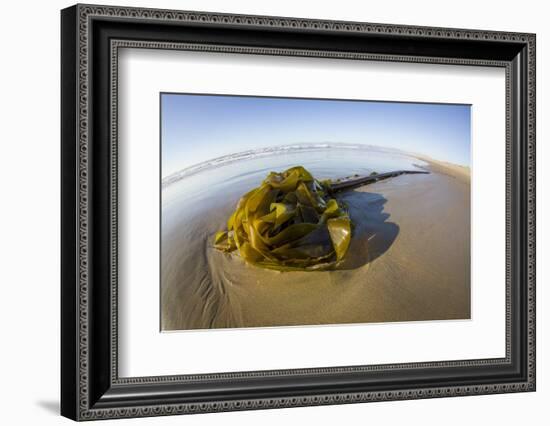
x: 290, y: 222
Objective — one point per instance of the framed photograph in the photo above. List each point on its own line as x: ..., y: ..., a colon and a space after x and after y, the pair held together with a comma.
x: 263, y: 212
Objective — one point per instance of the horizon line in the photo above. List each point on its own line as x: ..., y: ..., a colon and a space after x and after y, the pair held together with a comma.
x: 230, y: 158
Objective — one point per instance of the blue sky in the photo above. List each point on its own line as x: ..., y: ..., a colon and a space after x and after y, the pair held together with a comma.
x: 197, y: 128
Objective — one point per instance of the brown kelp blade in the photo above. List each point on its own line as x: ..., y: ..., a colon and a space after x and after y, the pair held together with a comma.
x: 289, y: 222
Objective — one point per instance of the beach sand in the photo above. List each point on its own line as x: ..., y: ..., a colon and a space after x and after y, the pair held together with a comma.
x: 409, y: 260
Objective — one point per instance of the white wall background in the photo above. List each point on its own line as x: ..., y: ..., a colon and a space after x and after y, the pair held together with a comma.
x: 29, y: 211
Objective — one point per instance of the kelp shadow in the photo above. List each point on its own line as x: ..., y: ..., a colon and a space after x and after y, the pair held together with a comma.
x: 372, y: 234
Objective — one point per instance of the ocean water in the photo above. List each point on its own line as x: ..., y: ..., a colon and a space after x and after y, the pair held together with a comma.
x: 235, y: 178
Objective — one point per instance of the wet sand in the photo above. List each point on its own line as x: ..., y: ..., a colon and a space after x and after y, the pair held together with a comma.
x: 409, y: 260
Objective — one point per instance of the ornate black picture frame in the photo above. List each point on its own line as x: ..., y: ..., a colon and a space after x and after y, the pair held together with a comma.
x: 90, y: 38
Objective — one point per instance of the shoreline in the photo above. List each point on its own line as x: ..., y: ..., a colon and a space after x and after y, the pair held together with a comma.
x: 462, y: 173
